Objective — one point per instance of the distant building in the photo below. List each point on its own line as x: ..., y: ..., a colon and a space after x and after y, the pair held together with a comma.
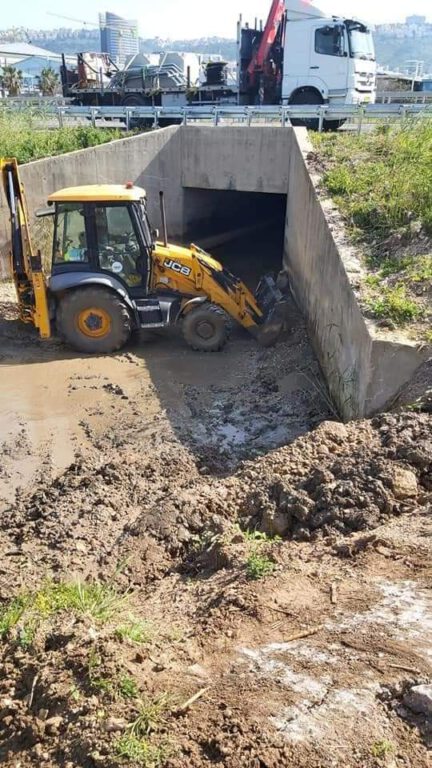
x: 415, y: 21
x: 119, y: 37
x: 30, y: 60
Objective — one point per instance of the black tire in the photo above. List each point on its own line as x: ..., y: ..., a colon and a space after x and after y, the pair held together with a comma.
x: 75, y: 318
x: 306, y: 96
x: 206, y: 328
x: 333, y: 125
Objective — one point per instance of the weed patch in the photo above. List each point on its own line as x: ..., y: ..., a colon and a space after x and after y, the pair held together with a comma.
x: 21, y: 137
x: 135, y: 631
x: 395, y: 304
x: 138, y: 750
x: 381, y: 181
x: 99, y: 601
x: 258, y: 566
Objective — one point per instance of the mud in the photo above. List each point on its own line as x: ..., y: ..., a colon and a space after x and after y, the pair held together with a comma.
x: 173, y: 478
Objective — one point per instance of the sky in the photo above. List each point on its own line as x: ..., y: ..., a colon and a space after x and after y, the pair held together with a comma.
x: 190, y: 18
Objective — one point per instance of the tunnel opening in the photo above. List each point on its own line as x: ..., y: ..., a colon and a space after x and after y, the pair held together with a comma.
x: 242, y: 230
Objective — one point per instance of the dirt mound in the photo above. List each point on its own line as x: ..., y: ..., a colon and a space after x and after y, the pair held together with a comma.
x: 367, y: 472
x: 151, y: 510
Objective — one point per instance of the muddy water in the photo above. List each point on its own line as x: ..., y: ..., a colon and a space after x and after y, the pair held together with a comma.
x: 48, y: 408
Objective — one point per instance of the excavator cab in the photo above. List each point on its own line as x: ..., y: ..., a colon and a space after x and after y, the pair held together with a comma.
x: 111, y: 275
x: 104, y: 235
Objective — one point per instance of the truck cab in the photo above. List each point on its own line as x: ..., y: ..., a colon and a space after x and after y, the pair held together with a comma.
x: 328, y: 60
x: 303, y: 57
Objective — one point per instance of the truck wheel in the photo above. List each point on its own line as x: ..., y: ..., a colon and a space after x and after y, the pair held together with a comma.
x: 306, y: 96
x: 93, y: 320
x: 206, y: 328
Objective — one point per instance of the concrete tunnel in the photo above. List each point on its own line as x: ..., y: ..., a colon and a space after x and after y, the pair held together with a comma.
x: 243, y: 230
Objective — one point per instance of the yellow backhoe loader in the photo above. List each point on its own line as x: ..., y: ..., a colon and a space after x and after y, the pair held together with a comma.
x: 111, y: 275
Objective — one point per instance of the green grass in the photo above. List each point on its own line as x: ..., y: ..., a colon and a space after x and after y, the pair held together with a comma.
x: 99, y: 601
x: 150, y: 716
x: 139, y: 751
x: 135, y: 744
x: 128, y: 687
x: 21, y: 137
x: 259, y: 537
x: 11, y: 614
x: 382, y: 748
x: 135, y: 631
x: 381, y: 181
x: 258, y: 566
x: 394, y: 304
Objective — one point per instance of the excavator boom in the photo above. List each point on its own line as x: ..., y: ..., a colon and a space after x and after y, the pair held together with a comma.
x: 26, y: 267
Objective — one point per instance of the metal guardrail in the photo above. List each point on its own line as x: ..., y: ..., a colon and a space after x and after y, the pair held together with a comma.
x: 404, y: 97
x: 218, y: 114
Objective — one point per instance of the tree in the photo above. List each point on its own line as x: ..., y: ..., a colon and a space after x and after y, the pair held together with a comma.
x: 48, y: 81
x: 11, y: 80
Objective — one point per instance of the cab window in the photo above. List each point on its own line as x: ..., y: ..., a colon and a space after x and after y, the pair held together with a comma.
x: 330, y: 41
x: 70, y: 240
x: 118, y: 246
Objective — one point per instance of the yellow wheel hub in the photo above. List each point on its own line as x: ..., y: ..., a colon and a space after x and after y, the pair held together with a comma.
x: 94, y: 322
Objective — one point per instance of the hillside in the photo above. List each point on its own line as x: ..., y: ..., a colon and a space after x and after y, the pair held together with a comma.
x: 392, y: 50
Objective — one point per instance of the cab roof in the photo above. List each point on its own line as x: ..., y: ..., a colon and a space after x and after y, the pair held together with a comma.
x: 99, y: 193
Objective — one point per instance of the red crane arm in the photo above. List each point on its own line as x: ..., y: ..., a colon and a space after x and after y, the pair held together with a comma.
x: 269, y: 36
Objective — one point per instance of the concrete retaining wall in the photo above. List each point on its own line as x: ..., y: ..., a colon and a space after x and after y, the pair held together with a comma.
x: 363, y: 373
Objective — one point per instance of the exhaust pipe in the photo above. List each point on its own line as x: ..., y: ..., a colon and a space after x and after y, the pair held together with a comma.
x: 163, y: 219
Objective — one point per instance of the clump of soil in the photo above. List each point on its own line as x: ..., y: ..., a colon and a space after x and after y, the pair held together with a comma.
x: 342, y: 478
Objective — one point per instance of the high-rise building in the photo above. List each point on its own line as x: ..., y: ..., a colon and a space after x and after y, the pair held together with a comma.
x: 119, y: 37
x: 414, y: 21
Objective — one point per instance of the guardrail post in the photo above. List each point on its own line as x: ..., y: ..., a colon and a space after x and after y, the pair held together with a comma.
x: 60, y: 117
x: 128, y: 118
x: 361, y: 114
x: 321, y: 119
x: 93, y: 116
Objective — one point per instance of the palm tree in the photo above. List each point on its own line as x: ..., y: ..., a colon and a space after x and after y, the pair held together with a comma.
x: 48, y: 81
x: 11, y: 80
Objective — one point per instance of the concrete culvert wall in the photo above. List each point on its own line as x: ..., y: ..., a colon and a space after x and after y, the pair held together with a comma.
x: 208, y: 173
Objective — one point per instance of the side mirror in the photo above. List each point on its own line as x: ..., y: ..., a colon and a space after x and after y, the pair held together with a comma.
x: 155, y: 234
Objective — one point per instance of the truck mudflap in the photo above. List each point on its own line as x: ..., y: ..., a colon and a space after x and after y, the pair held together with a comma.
x: 275, y: 307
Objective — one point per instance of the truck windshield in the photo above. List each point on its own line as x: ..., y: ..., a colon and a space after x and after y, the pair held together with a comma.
x: 361, y: 41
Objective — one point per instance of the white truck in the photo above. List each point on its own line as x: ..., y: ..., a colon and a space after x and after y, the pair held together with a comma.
x: 301, y: 56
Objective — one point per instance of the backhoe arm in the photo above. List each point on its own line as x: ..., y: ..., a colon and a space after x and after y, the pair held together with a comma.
x: 26, y: 268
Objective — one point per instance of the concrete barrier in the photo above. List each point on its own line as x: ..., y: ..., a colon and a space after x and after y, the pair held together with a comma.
x: 363, y: 372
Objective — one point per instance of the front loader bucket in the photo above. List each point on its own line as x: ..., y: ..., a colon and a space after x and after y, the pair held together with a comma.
x: 275, y: 307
